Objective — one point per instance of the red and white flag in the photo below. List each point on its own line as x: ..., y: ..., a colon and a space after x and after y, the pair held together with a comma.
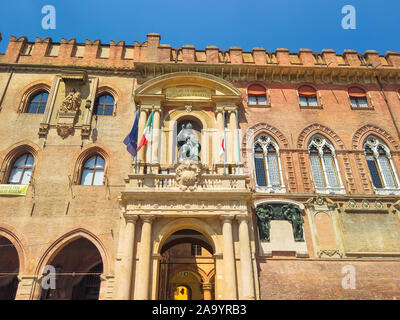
x: 222, y: 151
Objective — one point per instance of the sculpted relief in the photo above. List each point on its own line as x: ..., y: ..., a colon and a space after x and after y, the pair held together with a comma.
x: 72, y: 101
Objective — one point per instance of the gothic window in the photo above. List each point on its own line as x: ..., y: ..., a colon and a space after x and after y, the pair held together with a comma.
x: 256, y: 95
x: 308, y: 96
x: 267, y: 163
x: 21, y: 171
x: 104, y: 105
x: 37, y: 102
x: 93, y: 171
x: 324, y: 167
x: 380, y: 164
x: 358, y: 98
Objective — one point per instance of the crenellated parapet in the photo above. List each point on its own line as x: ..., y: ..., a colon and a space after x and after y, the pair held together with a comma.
x: 120, y: 55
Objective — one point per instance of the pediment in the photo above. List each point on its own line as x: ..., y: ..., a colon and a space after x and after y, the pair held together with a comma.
x: 187, y: 86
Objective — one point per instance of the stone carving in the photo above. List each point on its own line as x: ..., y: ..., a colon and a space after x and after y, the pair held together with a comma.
x: 188, y: 108
x: 329, y: 253
x: 293, y: 214
x: 72, y: 101
x: 188, y: 176
x: 64, y: 130
x: 265, y: 215
x: 365, y: 204
x: 188, y: 145
x: 352, y: 204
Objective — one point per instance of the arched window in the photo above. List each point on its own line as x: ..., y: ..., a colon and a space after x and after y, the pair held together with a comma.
x: 104, y: 105
x: 324, y: 167
x: 380, y: 164
x: 93, y: 171
x: 37, y: 102
x: 358, y: 97
x: 256, y: 95
x: 267, y: 164
x: 21, y: 171
x: 308, y: 96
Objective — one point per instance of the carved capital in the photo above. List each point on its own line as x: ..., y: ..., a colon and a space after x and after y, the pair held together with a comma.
x: 132, y: 218
x: 227, y: 218
x: 242, y: 217
x: 148, y: 218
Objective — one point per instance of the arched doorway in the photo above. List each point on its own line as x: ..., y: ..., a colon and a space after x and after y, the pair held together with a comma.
x: 187, y: 259
x: 78, y: 267
x: 9, y: 269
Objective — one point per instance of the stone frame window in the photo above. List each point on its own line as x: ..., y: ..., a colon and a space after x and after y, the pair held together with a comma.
x: 324, y: 167
x: 267, y: 165
x: 101, y: 163
x: 12, y: 158
x: 380, y: 166
x: 104, y: 105
x: 34, y: 100
x: 93, y: 171
x: 21, y: 171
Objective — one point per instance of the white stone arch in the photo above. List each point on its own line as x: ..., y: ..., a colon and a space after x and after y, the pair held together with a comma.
x: 186, y: 223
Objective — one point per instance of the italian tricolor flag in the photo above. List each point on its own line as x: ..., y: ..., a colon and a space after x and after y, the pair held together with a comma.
x: 222, y: 150
x: 146, y: 133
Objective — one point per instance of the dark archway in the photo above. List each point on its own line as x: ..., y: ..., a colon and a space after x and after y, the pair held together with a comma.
x: 9, y: 269
x: 187, y: 259
x: 78, y: 268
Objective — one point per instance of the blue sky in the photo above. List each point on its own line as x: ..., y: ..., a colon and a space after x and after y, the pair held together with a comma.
x: 292, y: 24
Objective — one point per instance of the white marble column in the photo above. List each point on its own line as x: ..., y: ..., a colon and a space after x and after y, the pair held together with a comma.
x: 156, y: 135
x: 229, y: 259
x: 246, y: 269
x: 143, y: 275
x: 126, y: 267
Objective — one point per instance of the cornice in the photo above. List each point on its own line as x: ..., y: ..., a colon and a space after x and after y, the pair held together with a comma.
x: 276, y: 73
x: 233, y: 72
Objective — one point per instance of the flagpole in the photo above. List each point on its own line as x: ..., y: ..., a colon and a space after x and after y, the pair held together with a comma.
x: 151, y: 146
x: 137, y: 110
x: 223, y: 116
x: 238, y: 140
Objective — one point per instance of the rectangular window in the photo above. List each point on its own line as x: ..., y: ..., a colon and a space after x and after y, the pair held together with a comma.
x: 387, y: 172
x: 260, y: 169
x: 317, y: 171
x: 195, y: 250
x: 273, y: 170
x: 303, y: 101
x: 330, y: 171
x: 313, y: 102
x: 373, y: 170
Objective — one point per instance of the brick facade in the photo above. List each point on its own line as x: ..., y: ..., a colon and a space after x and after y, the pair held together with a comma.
x: 57, y: 209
